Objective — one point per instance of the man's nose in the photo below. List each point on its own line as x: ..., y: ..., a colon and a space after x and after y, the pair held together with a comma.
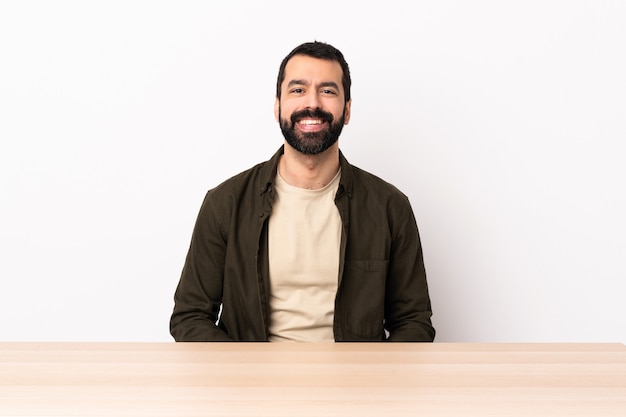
x: 312, y: 100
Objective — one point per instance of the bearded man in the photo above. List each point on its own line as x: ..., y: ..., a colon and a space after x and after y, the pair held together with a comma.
x: 305, y: 247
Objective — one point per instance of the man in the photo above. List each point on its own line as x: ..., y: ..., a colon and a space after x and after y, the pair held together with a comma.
x: 305, y: 247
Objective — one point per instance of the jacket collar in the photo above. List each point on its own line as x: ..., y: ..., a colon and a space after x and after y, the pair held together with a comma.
x: 270, y: 168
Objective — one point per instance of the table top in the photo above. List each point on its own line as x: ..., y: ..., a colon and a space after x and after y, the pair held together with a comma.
x: 289, y: 379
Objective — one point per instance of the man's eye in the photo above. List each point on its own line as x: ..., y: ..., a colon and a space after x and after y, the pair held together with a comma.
x: 328, y: 92
x: 297, y: 90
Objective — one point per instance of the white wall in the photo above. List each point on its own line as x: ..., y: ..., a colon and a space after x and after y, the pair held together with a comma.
x: 504, y: 122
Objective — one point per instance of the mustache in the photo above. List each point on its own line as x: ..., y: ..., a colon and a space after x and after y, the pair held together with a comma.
x: 312, y: 114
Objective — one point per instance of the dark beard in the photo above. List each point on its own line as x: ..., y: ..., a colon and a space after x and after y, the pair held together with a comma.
x: 311, y: 143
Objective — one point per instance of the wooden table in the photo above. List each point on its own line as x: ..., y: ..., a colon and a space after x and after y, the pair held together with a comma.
x: 263, y: 379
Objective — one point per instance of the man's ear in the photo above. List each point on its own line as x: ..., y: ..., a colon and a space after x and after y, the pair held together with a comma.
x: 277, y: 110
x: 346, y: 112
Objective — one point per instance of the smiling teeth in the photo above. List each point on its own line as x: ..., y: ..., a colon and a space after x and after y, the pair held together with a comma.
x: 310, y: 122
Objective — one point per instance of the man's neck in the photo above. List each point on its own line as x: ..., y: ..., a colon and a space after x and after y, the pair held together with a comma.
x: 311, y: 172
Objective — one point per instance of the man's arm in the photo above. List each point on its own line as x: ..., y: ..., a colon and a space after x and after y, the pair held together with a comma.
x: 407, y: 302
x: 198, y: 297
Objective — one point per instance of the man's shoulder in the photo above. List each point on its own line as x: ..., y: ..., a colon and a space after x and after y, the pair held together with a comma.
x: 256, y: 176
x: 250, y: 177
x: 366, y: 181
x: 378, y: 196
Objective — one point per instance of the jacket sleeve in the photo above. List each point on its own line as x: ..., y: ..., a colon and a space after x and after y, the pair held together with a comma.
x: 198, y: 297
x: 407, y: 302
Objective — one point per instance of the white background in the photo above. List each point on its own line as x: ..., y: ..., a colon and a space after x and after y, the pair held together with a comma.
x: 504, y: 123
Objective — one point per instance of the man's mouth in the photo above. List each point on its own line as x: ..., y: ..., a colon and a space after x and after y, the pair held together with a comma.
x: 311, y: 125
x: 310, y: 121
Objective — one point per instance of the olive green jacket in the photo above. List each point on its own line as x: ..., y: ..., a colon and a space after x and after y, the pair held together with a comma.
x: 223, y: 293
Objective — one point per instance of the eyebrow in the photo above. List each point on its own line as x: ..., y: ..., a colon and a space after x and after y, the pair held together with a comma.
x: 303, y: 82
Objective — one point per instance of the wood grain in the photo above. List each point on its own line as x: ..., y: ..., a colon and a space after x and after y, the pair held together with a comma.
x: 357, y: 379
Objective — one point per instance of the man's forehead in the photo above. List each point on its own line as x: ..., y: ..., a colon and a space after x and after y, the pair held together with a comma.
x: 300, y: 66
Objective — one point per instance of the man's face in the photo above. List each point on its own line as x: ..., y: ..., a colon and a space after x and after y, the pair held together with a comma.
x: 312, y: 109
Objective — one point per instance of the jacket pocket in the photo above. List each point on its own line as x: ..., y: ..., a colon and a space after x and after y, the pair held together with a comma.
x: 363, y: 294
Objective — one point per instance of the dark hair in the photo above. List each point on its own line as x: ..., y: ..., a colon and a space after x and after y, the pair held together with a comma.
x: 318, y: 50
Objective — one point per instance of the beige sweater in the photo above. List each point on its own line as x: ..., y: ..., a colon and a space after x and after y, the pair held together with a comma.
x: 304, y: 239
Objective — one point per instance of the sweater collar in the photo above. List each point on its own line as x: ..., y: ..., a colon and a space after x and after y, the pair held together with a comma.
x: 271, y: 167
